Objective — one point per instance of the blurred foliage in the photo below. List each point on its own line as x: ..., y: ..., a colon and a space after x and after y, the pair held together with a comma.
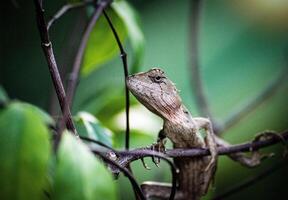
x: 88, y: 126
x: 101, y: 45
x: 3, y: 95
x: 79, y: 175
x: 25, y: 152
x: 243, y: 47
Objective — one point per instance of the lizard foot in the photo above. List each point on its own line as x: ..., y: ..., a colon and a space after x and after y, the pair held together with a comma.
x: 159, y: 146
x: 268, y: 135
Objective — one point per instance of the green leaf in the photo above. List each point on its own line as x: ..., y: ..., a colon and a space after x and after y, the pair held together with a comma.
x: 131, y: 21
x: 3, y: 95
x: 102, y: 46
x: 88, y: 125
x: 24, y: 153
x: 47, y: 119
x: 79, y: 175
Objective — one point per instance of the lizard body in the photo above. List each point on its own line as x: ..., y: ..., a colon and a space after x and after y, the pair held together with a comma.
x: 155, y: 91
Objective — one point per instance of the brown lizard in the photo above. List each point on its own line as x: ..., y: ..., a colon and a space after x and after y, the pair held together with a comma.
x: 157, y: 93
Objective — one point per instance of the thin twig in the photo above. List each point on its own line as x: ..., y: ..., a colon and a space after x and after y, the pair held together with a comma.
x: 195, y: 78
x: 134, y: 155
x: 126, y: 173
x: 68, y: 52
x: 123, y: 56
x: 64, y: 9
x: 173, y: 169
x: 73, y: 78
x: 263, y: 96
x: 53, y: 69
x: 97, y: 142
x: 250, y: 181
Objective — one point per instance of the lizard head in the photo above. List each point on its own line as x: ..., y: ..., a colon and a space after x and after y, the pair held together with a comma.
x: 156, y: 92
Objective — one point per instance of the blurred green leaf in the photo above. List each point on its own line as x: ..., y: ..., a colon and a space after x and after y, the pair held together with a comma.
x: 87, y: 125
x: 101, y: 46
x: 24, y: 153
x: 131, y: 21
x: 3, y: 95
x: 47, y: 119
x: 79, y: 175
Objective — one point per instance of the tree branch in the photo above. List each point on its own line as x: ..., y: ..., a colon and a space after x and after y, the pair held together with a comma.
x: 73, y: 78
x: 125, y: 172
x: 126, y: 157
x: 162, y: 156
x: 52, y: 65
x: 64, y: 9
x: 123, y: 56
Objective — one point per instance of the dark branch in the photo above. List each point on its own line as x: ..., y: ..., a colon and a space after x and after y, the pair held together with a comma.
x: 125, y: 157
x: 52, y: 65
x: 123, y: 56
x: 173, y: 168
x: 125, y: 172
x: 64, y: 9
x: 263, y: 96
x: 195, y: 78
x: 72, y: 82
x: 73, y: 78
x: 96, y: 142
x: 251, y: 181
x: 133, y: 155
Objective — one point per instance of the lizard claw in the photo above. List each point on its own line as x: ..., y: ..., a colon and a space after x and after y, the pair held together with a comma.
x: 156, y: 161
x: 211, y: 165
x: 145, y: 165
x: 159, y: 146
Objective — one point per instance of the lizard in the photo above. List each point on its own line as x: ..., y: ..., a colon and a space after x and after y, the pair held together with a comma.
x: 159, y: 95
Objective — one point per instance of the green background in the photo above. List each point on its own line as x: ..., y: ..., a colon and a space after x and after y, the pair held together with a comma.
x: 238, y: 58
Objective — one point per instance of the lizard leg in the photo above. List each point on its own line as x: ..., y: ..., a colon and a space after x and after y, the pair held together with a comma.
x: 256, y: 157
x: 206, y: 124
x: 242, y: 158
x: 159, y: 146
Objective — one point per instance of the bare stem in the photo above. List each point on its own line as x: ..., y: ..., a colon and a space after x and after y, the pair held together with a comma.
x: 125, y: 172
x: 64, y: 9
x: 123, y: 56
x: 72, y: 82
x: 135, y: 156
x: 52, y: 65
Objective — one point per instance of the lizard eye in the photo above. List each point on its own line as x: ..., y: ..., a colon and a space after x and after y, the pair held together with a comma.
x: 158, y: 78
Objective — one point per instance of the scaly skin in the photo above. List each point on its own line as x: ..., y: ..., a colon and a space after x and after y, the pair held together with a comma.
x: 155, y: 91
